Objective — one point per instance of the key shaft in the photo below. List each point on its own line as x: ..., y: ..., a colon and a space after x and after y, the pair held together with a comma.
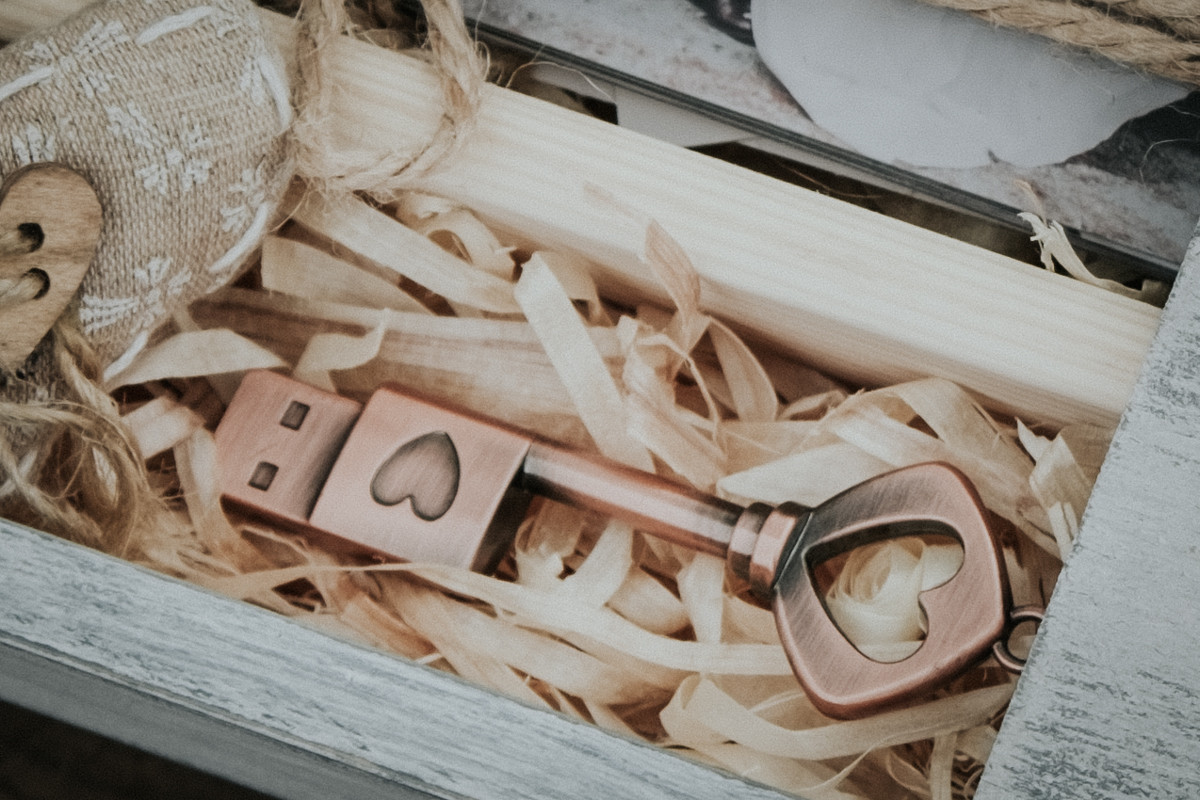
x: 650, y: 503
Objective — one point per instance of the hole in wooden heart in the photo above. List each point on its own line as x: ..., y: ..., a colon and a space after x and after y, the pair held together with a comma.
x: 424, y: 471
x: 31, y: 236
x: 40, y: 276
x: 872, y: 592
x: 59, y: 255
x: 22, y: 239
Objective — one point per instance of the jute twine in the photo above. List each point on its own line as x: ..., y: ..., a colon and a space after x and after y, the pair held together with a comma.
x: 461, y: 69
x: 1161, y: 37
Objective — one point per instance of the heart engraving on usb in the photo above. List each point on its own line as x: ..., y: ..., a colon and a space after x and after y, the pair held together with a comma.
x: 424, y: 471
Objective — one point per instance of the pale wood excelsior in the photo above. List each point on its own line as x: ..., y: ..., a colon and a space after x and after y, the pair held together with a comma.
x: 1109, y: 707
x: 868, y: 298
x: 257, y: 698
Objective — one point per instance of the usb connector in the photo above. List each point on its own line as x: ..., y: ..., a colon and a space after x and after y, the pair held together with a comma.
x: 277, y: 444
x: 402, y: 476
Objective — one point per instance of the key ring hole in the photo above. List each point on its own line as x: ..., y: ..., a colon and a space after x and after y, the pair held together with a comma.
x: 1003, y: 651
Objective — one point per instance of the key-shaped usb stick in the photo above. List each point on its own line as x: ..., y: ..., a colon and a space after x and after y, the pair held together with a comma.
x: 420, y: 481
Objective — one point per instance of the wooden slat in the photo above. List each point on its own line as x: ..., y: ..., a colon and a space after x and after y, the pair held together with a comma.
x: 869, y: 298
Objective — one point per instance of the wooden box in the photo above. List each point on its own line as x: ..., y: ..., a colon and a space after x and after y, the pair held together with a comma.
x: 1107, y: 708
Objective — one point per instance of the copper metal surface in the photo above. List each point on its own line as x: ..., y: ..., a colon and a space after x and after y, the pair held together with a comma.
x: 774, y: 544
x: 421, y: 482
x: 273, y: 461
x: 654, y: 505
x: 743, y: 540
x: 417, y: 480
x: 966, y: 615
x: 1001, y: 649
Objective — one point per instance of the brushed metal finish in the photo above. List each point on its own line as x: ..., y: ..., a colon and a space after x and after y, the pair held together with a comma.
x: 654, y: 505
x: 743, y: 540
x: 464, y: 514
x: 425, y: 471
x: 776, y: 540
x: 966, y: 615
x: 259, y: 430
x: 421, y: 481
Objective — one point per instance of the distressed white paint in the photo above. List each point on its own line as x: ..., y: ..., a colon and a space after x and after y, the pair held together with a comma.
x: 254, y: 697
x: 1109, y: 708
x: 1110, y: 705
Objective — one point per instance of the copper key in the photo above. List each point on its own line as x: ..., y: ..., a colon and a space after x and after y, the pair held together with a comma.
x: 420, y: 481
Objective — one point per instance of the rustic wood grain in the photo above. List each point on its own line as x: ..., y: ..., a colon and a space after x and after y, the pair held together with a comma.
x: 64, y: 210
x: 865, y: 297
x: 1109, y: 707
x: 868, y: 298
x: 1110, y: 704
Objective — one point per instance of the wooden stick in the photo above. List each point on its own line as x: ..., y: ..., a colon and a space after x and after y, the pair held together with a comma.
x: 866, y: 297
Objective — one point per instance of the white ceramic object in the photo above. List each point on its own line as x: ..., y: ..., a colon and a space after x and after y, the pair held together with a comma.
x: 902, y: 81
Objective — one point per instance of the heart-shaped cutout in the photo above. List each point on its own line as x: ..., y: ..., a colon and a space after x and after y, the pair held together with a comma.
x: 425, y: 471
x: 50, y: 222
x: 966, y: 614
x: 873, y: 593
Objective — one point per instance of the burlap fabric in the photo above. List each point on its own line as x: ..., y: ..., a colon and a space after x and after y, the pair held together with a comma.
x: 177, y: 112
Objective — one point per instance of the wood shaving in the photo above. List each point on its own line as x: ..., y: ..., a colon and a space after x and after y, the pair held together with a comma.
x: 586, y: 616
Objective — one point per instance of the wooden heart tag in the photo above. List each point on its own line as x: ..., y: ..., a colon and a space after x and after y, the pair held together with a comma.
x: 50, y: 222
